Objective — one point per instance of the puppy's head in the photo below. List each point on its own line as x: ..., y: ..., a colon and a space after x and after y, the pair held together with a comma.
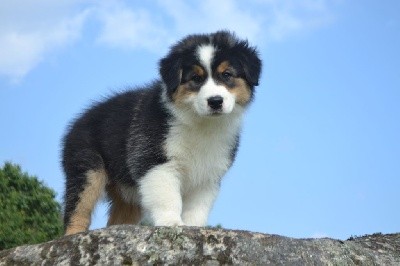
x: 211, y: 74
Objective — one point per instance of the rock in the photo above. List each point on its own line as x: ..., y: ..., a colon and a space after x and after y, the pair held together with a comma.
x: 142, y: 245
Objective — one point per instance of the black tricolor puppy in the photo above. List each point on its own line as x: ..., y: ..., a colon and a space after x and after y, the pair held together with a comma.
x: 160, y: 151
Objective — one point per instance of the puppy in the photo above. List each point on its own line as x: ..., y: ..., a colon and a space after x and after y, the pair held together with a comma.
x: 160, y: 151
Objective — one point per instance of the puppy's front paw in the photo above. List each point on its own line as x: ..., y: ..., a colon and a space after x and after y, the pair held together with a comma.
x: 174, y: 223
x: 168, y: 222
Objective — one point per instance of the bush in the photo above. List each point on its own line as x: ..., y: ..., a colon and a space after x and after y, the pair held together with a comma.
x: 29, y: 213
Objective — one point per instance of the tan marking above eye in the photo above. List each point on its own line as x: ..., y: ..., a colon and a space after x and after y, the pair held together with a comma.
x: 196, y: 74
x: 198, y: 70
x: 223, y: 67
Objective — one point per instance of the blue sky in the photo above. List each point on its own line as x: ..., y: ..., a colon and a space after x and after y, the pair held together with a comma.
x: 320, y: 151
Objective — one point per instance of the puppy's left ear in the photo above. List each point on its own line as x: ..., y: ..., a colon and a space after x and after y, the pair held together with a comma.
x: 170, y: 71
x: 251, y: 64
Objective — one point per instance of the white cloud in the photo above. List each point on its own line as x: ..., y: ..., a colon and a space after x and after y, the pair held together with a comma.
x: 289, y: 17
x: 258, y: 20
x: 209, y: 15
x: 127, y: 27
x: 31, y: 29
x: 123, y: 27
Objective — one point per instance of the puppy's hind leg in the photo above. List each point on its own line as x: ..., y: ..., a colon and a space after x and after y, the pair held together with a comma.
x: 121, y: 211
x: 82, y: 193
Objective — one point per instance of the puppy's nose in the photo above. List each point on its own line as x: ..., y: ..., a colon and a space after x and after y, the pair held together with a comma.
x: 215, y: 102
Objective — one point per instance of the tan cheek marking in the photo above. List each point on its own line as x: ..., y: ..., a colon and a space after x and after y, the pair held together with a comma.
x: 80, y: 219
x: 122, y: 212
x: 242, y: 91
x: 182, y: 93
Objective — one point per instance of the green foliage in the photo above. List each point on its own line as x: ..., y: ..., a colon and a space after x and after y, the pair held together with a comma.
x: 29, y: 213
x: 217, y: 226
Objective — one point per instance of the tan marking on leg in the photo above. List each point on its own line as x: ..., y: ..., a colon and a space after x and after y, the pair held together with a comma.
x: 241, y: 91
x: 122, y: 212
x: 80, y: 219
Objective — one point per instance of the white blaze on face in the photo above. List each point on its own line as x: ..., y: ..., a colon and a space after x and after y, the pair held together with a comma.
x: 206, y: 54
x: 210, y: 88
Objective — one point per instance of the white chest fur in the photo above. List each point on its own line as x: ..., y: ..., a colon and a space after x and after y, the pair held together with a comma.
x: 201, y: 151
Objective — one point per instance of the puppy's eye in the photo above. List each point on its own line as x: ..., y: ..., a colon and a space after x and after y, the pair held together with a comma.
x: 197, y: 78
x: 226, y: 75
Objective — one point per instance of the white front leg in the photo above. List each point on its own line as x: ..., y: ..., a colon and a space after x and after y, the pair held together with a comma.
x: 160, y: 195
x: 197, y: 204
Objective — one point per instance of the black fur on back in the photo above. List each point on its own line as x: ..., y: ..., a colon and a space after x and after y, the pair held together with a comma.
x: 112, y: 133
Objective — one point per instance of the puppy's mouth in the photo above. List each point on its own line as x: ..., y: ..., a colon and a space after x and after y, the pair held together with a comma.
x: 211, y: 113
x: 216, y: 113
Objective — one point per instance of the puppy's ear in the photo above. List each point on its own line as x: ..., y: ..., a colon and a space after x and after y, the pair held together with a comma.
x: 251, y: 65
x: 170, y: 71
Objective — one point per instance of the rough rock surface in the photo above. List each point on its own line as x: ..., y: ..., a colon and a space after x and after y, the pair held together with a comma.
x: 140, y: 245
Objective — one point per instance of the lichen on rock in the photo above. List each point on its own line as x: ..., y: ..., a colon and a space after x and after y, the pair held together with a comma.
x: 143, y: 245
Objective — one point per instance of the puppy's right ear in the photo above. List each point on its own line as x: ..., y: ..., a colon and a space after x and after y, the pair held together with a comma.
x: 171, y: 71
